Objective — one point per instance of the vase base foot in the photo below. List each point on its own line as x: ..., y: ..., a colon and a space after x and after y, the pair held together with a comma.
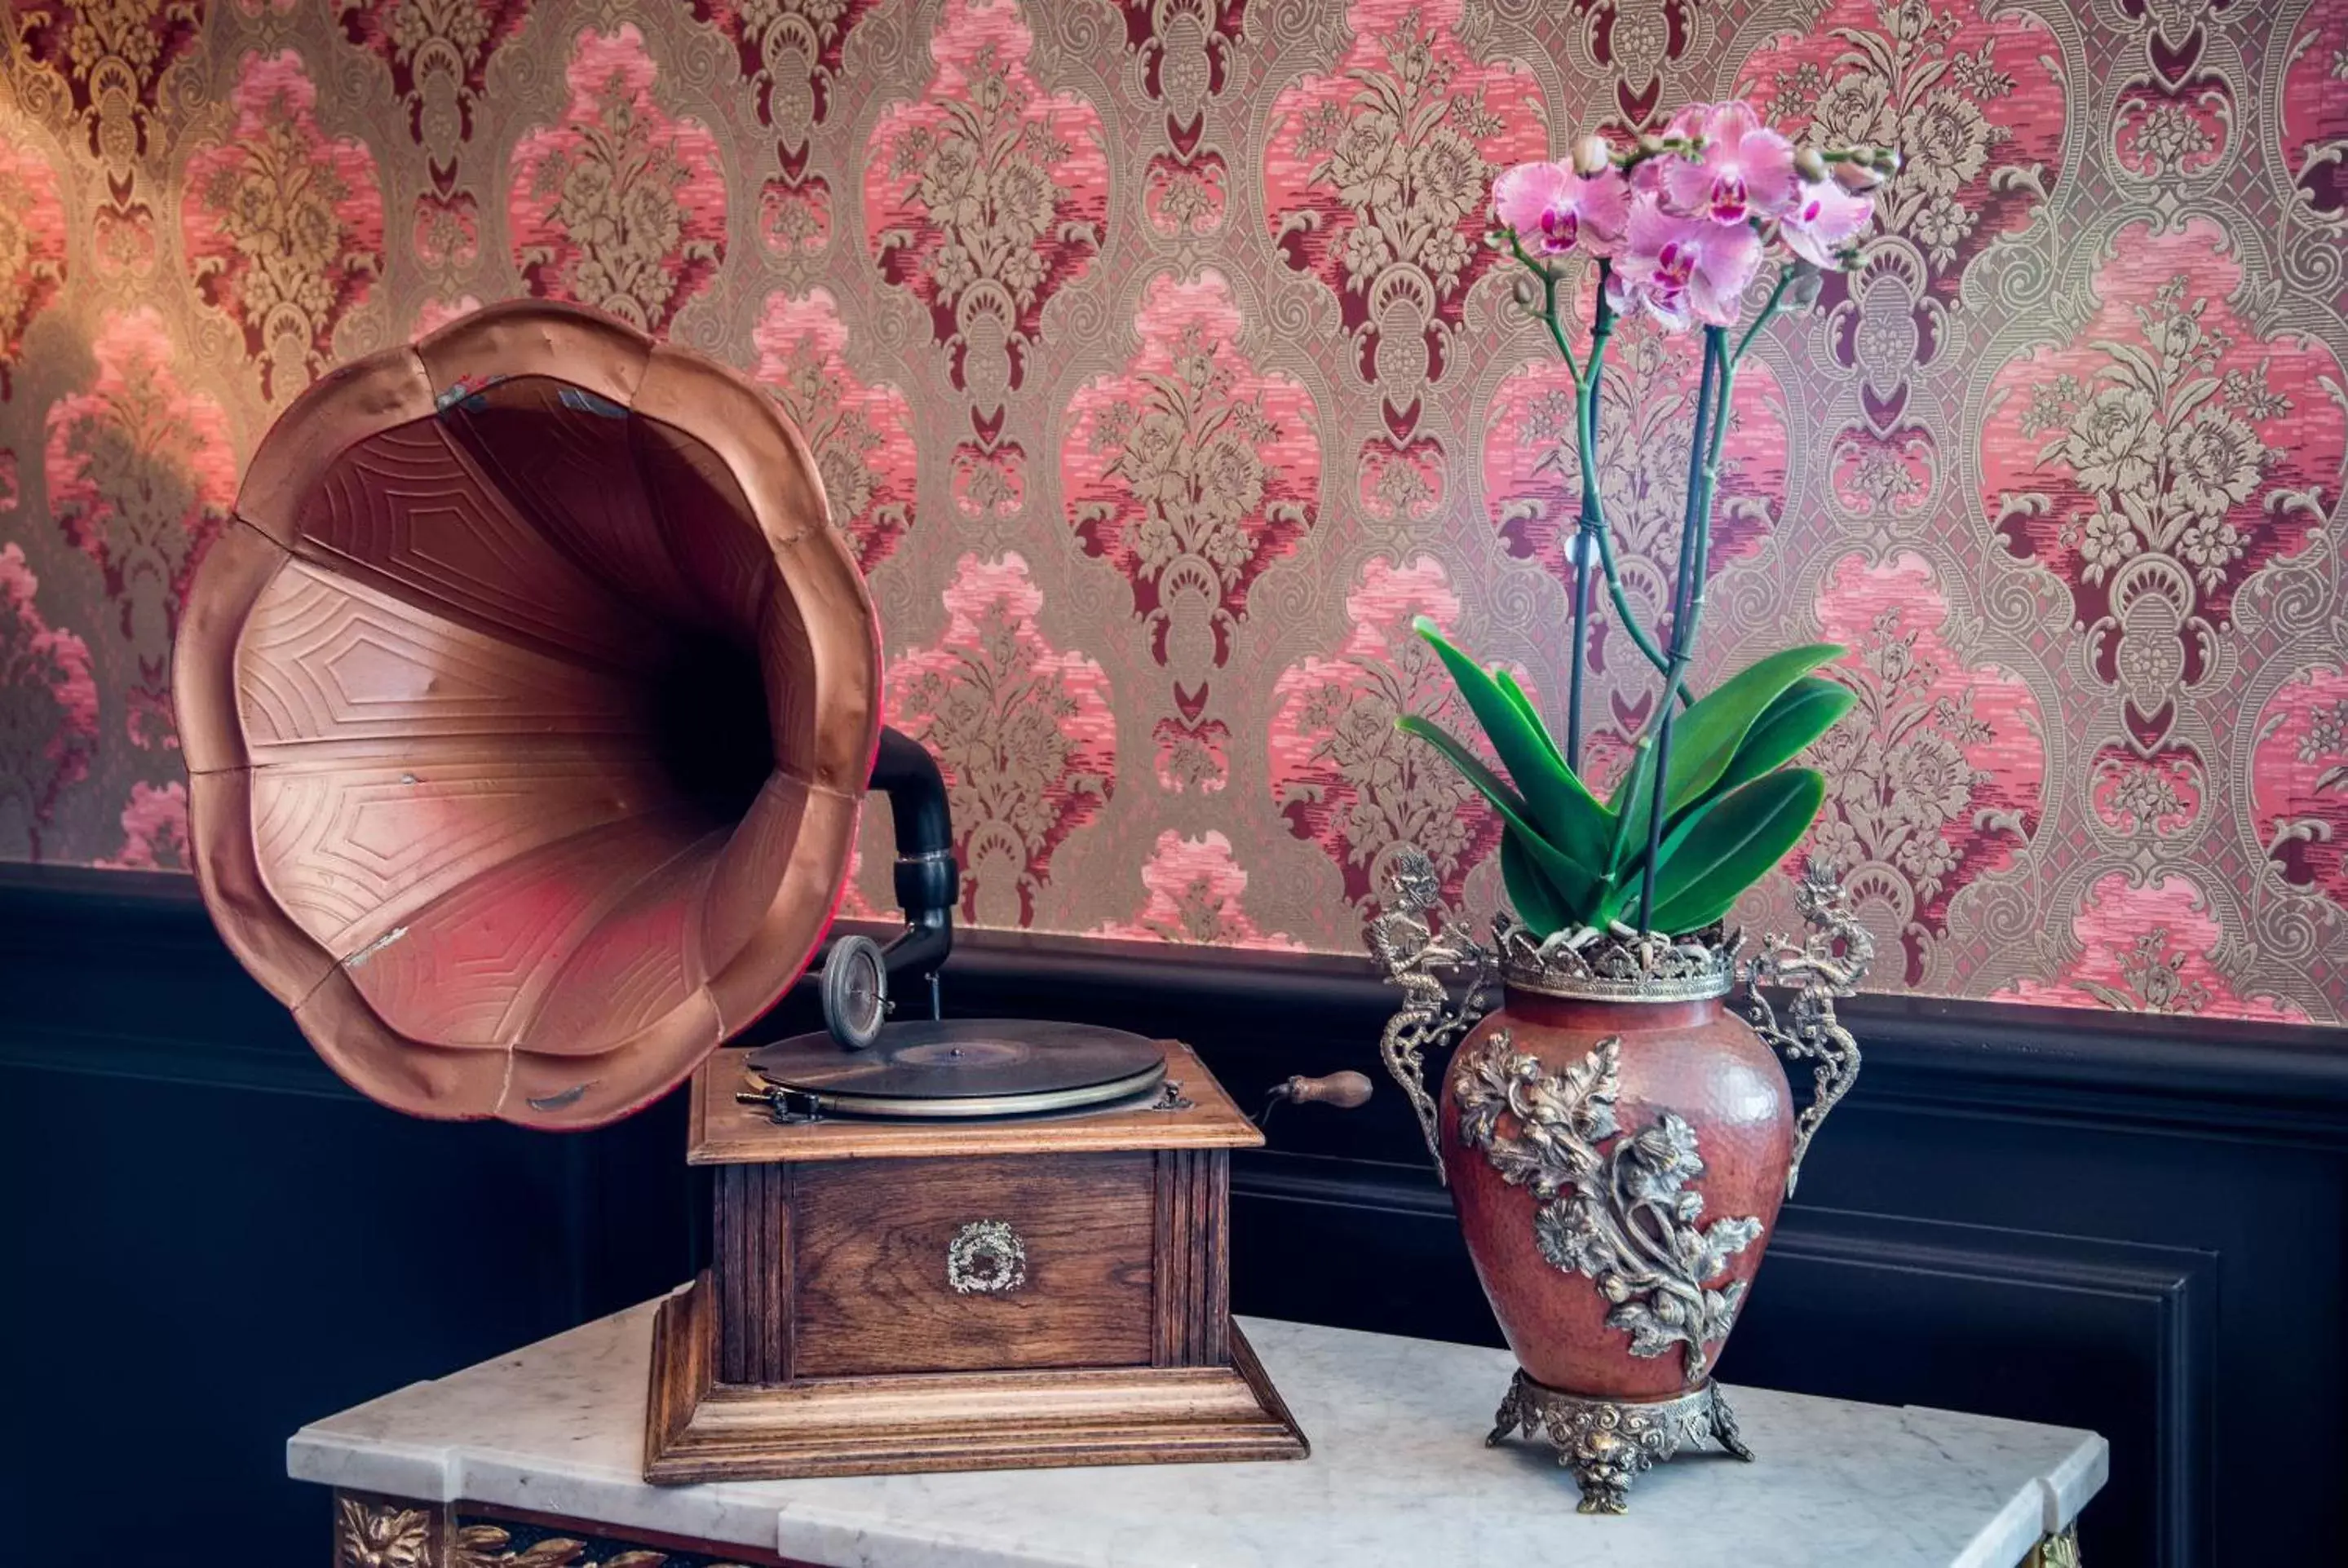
x: 1607, y: 1443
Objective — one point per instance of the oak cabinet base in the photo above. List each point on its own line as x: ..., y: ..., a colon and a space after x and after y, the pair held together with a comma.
x: 892, y: 1296
x: 699, y: 1430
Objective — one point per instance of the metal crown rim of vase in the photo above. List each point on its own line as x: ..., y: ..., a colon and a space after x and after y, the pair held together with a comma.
x: 1676, y: 978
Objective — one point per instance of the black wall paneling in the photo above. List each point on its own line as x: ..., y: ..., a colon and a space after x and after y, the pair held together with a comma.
x: 207, y: 1240
x: 2131, y: 1224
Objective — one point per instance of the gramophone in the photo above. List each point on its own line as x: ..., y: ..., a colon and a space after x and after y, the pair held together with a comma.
x: 529, y: 704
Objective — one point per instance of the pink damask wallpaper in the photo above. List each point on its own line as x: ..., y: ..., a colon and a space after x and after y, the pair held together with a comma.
x: 1159, y: 377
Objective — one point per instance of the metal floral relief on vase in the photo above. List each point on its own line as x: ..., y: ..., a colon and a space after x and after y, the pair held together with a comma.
x: 1623, y: 1217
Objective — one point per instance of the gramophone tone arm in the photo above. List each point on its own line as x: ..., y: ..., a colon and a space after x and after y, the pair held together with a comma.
x: 927, y: 880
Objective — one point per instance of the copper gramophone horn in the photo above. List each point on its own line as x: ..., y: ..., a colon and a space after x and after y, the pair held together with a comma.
x: 526, y: 707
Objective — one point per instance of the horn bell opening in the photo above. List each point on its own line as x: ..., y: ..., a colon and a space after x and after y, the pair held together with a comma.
x: 528, y: 702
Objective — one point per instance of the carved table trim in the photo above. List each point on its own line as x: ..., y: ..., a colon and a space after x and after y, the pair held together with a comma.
x: 374, y: 1532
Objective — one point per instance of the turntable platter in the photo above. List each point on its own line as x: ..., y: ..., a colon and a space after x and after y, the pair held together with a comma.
x: 962, y: 1068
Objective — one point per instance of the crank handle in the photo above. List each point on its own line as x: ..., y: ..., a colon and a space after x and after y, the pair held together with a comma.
x: 1343, y: 1091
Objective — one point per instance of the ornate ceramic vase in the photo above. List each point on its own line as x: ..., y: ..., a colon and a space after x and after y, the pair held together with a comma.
x: 1617, y: 1142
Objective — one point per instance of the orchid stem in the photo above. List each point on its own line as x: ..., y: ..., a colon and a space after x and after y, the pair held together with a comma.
x: 1593, y: 516
x: 1592, y: 521
x: 1585, y: 392
x: 1548, y: 309
x: 1687, y: 590
x: 1582, y: 546
x: 1767, y: 313
x: 1622, y: 601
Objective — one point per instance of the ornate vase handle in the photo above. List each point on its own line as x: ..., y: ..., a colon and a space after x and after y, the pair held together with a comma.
x: 1445, y: 978
x: 1831, y: 962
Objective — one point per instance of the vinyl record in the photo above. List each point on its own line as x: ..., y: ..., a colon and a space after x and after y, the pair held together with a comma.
x: 965, y: 1067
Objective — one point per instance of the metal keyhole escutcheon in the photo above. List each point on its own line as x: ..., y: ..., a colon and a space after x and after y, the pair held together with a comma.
x: 985, y: 1257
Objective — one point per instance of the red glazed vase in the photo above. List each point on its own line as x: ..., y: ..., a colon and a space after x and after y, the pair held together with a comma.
x: 1617, y: 1143
x: 1617, y: 1165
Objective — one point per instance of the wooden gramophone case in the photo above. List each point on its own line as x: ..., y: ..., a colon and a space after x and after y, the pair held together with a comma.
x: 887, y: 1298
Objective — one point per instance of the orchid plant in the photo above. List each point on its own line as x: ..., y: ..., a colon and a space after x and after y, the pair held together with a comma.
x: 1679, y: 227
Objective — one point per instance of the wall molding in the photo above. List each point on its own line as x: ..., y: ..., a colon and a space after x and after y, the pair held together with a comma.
x: 2175, y: 1287
x: 2245, y: 1078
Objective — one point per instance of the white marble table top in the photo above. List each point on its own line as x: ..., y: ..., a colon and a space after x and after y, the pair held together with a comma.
x: 1400, y: 1476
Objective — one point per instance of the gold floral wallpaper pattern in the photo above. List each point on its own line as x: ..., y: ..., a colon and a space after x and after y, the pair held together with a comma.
x: 1159, y: 377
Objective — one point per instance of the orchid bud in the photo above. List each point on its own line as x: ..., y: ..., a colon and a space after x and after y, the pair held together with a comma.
x: 1651, y: 144
x: 1526, y: 292
x: 1809, y: 164
x: 1886, y: 161
x: 1592, y: 155
x: 1855, y: 176
x: 1803, y: 292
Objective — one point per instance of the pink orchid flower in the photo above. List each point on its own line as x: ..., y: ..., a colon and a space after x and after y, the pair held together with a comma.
x: 1552, y: 210
x: 1823, y: 221
x: 1682, y: 271
x: 1687, y: 122
x: 1744, y: 171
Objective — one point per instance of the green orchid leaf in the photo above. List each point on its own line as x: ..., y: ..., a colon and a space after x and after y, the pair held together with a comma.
x: 1574, y: 882
x: 1566, y: 813
x: 1629, y: 805
x: 1730, y: 844
x: 1471, y: 767
x: 1787, y: 728
x: 1704, y: 739
x: 1576, y: 889
x: 1537, y: 903
x: 1524, y: 704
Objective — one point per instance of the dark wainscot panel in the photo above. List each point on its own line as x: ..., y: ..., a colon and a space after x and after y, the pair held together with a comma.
x: 2131, y: 1224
